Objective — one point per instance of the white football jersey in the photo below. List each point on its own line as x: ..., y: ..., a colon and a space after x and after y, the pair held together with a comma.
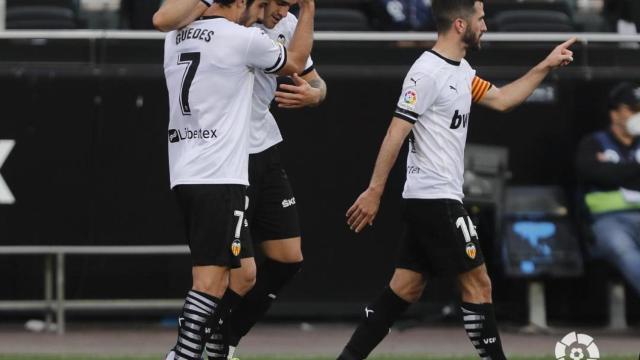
x: 264, y: 131
x: 209, y: 67
x: 436, y: 97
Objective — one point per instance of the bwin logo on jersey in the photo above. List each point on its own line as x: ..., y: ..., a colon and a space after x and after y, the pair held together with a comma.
x: 177, y: 135
x: 459, y: 119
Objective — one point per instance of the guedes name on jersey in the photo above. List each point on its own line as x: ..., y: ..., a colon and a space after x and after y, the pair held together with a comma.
x: 196, y: 34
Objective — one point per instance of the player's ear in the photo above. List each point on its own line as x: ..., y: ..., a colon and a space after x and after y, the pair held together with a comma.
x: 241, y: 3
x: 459, y: 25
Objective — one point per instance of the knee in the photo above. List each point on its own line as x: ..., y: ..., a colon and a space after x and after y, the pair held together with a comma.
x: 287, y: 251
x: 289, y: 257
x: 281, y: 270
x: 410, y: 290
x: 244, y: 280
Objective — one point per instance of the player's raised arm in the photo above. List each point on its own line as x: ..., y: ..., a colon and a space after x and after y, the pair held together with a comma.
x: 365, y: 209
x: 302, y: 41
x: 515, y: 93
x: 175, y: 14
x: 308, y: 90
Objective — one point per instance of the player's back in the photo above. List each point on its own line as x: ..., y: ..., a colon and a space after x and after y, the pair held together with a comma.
x: 210, y: 86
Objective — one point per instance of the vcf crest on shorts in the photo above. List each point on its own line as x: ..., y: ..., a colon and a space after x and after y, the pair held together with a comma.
x: 236, y: 247
x: 471, y: 250
x: 469, y: 232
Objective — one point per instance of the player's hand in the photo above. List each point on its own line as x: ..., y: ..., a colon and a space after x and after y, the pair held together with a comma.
x: 299, y: 95
x: 561, y: 55
x: 364, y: 210
x: 305, y: 3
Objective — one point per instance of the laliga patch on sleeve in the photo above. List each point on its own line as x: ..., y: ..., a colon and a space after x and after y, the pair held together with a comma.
x: 410, y: 98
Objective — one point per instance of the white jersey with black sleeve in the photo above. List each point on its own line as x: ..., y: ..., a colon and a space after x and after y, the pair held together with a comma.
x: 436, y: 97
x: 209, y: 68
x: 264, y: 131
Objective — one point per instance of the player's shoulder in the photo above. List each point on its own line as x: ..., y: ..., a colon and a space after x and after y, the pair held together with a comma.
x: 430, y: 62
x: 250, y: 35
x: 249, y: 32
x: 230, y: 27
x: 426, y: 66
x: 465, y: 66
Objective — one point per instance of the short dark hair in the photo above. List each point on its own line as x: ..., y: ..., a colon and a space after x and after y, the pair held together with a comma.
x: 625, y: 93
x: 250, y: 2
x: 446, y: 11
x: 224, y: 2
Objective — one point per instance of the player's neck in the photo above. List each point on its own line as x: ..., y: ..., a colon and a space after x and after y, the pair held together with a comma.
x: 452, y: 49
x: 228, y: 12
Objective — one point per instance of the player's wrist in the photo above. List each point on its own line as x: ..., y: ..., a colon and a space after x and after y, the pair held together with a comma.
x: 317, y: 97
x: 546, y: 65
x: 376, y: 189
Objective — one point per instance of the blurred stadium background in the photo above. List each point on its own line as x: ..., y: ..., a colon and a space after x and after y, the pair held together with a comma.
x: 89, y: 231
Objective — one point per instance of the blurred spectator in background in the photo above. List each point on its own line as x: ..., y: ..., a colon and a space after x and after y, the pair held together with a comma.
x: 100, y: 14
x: 589, y: 5
x: 609, y: 169
x: 137, y: 14
x: 403, y: 15
x: 623, y: 16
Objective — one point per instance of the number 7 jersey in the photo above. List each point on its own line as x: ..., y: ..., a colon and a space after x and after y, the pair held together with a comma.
x: 209, y: 69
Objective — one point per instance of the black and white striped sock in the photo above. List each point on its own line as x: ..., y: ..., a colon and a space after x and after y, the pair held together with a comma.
x: 199, y: 311
x: 480, y: 325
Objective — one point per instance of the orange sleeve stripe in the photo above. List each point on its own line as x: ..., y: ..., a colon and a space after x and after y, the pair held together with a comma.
x: 484, y: 91
x: 474, y: 92
x: 475, y: 86
x: 479, y: 88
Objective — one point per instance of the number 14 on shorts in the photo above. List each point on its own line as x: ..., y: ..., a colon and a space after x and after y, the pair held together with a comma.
x: 467, y: 231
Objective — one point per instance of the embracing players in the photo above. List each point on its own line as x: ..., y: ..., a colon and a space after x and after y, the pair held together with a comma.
x: 435, y: 106
x: 272, y: 210
x: 209, y: 68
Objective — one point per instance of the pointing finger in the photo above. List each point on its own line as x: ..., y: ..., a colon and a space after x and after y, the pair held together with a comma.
x: 569, y: 42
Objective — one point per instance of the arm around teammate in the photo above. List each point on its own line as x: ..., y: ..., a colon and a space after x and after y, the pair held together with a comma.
x: 175, y: 14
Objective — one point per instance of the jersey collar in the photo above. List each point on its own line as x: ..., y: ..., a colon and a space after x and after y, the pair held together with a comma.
x: 210, y: 17
x: 452, y: 62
